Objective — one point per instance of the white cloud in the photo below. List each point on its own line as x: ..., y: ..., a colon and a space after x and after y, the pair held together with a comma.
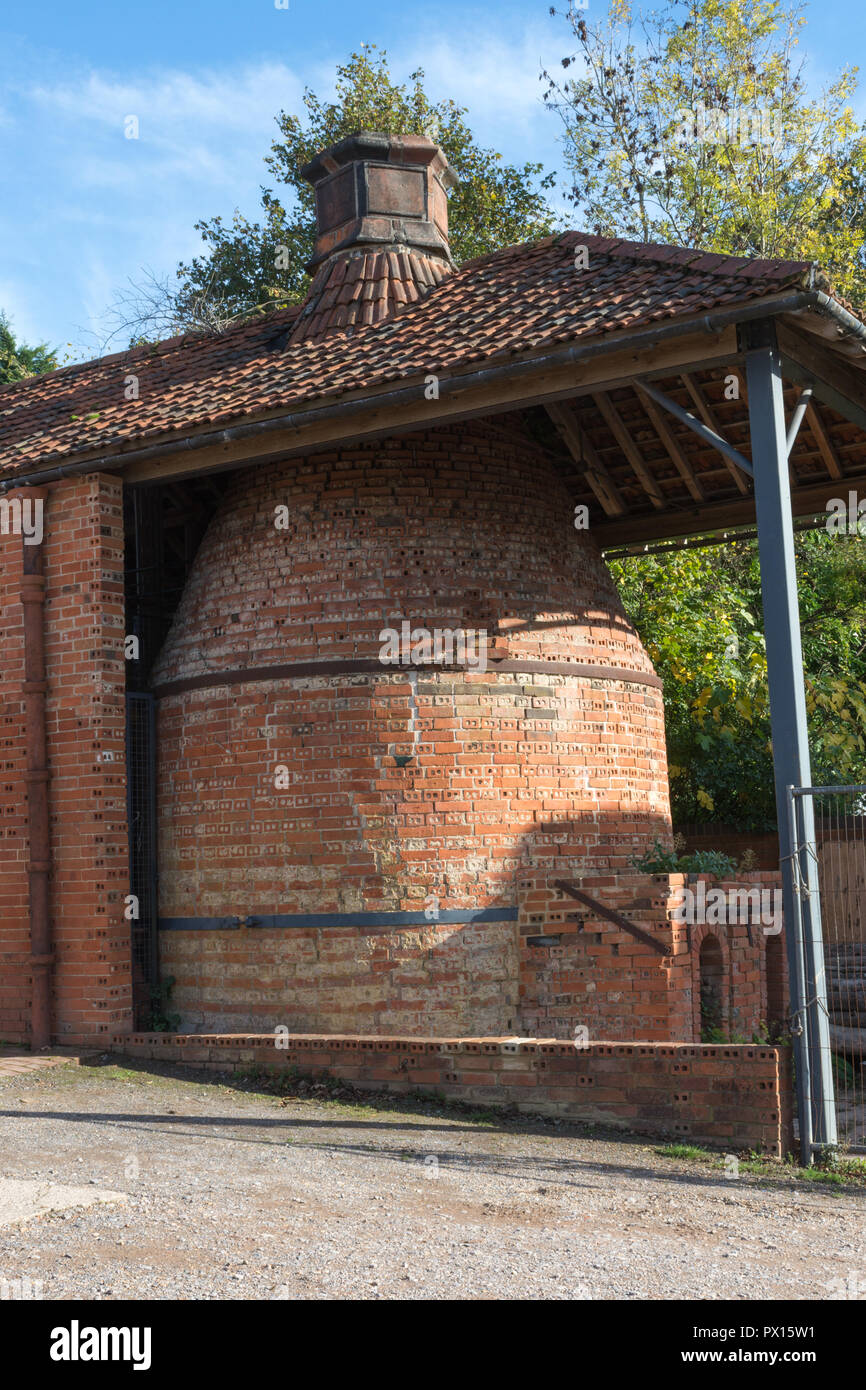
x: 15, y: 304
x: 102, y: 206
x: 495, y: 77
x: 171, y: 102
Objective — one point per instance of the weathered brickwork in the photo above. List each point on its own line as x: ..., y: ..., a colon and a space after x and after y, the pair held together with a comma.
x: 580, y: 970
x: 458, y: 978
x: 497, y: 768
x: 466, y: 526
x: 403, y: 789
x: 84, y: 720
x: 733, y: 1097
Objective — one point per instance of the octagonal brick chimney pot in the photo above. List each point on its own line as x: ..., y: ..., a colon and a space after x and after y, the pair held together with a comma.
x: 380, y: 193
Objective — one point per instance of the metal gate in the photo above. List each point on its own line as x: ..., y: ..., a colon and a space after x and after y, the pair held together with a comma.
x: 829, y: 1005
x: 141, y: 820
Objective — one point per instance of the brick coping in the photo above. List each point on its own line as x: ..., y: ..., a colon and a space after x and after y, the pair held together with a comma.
x: 383, y: 1042
x: 721, y: 1094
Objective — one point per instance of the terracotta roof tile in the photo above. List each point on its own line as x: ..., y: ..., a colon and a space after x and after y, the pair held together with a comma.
x: 524, y: 297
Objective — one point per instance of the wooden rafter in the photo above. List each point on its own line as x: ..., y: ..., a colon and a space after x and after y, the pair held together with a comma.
x: 630, y: 449
x: 822, y: 439
x: 662, y: 429
x: 709, y: 419
x: 586, y: 458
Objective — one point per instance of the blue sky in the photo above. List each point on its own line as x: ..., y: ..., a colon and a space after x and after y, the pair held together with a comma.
x: 83, y: 209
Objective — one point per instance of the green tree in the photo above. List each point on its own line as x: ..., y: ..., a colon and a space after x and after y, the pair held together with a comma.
x: 700, y: 617
x: 18, y: 361
x: 495, y: 204
x: 694, y: 127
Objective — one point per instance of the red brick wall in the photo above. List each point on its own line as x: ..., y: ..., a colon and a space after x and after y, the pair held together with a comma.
x: 747, y: 1010
x: 732, y: 1097
x: 15, y: 979
x: 597, y: 975
x: 457, y: 978
x: 85, y: 714
x: 456, y: 528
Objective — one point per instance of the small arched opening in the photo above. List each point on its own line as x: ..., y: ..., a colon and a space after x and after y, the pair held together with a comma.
x: 775, y: 975
x: 712, y: 972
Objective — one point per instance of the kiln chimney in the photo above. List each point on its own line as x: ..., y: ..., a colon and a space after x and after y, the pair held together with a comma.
x: 381, y: 230
x: 383, y: 193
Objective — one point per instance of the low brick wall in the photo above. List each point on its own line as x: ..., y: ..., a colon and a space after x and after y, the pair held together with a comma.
x: 578, y: 968
x: 736, y: 1097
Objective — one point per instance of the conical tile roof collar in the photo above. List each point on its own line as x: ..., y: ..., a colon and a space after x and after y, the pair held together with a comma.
x: 382, y: 229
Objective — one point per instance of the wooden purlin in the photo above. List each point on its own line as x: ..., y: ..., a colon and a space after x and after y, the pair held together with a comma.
x: 823, y: 441
x: 672, y: 445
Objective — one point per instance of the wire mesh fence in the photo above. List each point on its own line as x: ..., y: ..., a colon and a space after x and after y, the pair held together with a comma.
x: 838, y: 846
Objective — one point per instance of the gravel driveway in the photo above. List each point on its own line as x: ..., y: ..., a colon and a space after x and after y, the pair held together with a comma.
x: 232, y: 1193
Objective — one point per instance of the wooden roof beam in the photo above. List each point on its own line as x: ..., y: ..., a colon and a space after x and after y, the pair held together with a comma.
x: 822, y: 439
x: 586, y: 458
x: 835, y: 381
x: 671, y: 444
x: 693, y: 520
x: 632, y: 452
x: 470, y: 394
x: 712, y: 425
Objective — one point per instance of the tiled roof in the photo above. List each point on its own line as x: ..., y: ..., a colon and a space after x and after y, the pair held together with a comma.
x: 525, y: 298
x: 363, y: 288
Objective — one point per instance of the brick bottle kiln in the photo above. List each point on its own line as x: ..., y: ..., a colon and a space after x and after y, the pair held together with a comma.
x: 352, y: 846
x: 347, y: 845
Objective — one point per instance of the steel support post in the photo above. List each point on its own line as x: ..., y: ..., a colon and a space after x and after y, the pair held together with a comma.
x: 789, y: 730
